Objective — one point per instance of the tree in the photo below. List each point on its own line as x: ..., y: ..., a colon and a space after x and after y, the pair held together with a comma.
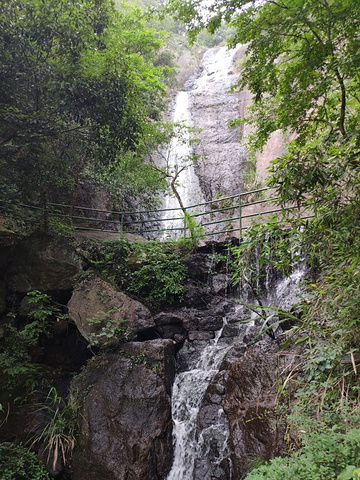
x: 302, y: 67
x: 78, y: 88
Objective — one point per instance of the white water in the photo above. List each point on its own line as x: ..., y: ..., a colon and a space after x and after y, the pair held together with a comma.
x: 192, y: 446
x: 178, y: 156
x: 218, y: 64
x: 214, y: 82
x: 188, y: 392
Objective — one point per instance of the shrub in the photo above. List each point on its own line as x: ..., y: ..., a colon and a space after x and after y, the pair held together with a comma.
x: 18, y: 463
x: 325, y: 456
x: 154, y: 272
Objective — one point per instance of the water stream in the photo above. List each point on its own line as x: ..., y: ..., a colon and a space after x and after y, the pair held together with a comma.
x: 202, y: 105
x: 200, y: 433
x: 188, y: 392
x: 178, y: 156
x: 200, y: 426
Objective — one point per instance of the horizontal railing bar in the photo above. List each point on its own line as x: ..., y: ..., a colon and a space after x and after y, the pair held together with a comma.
x: 105, y: 220
x: 242, y: 194
x: 120, y: 232
x: 178, y: 229
x: 116, y: 212
x: 34, y: 207
x: 161, y: 230
x: 266, y: 213
x: 215, y: 222
x: 135, y: 222
x: 265, y: 200
x: 211, y: 212
x: 222, y: 231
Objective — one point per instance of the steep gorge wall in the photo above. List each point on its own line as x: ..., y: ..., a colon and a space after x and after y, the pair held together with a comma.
x: 222, y: 149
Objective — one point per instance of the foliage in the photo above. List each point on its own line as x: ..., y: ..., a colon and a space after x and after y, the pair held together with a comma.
x: 107, y: 330
x: 301, y: 67
x: 18, y: 463
x: 79, y: 87
x: 325, y: 455
x: 57, y: 438
x: 196, y: 230
x: 265, y: 245
x: 161, y: 273
x: 154, y: 272
x: 20, y: 376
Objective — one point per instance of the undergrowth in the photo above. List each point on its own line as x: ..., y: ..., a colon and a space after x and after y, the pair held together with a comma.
x: 19, y: 463
x: 153, y: 272
x: 322, y: 390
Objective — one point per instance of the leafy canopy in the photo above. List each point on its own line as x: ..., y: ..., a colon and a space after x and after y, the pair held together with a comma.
x: 79, y: 87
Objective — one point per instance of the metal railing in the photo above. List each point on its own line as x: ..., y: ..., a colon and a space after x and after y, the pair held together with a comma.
x: 234, y: 211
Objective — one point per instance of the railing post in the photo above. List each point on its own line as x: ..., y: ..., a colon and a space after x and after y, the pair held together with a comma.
x: 121, y: 222
x: 185, y: 223
x: 240, y: 218
x: 45, y: 207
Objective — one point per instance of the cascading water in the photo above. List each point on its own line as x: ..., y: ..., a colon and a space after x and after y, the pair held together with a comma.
x: 200, y: 431
x: 202, y: 106
x: 188, y: 392
x: 178, y: 156
x: 201, y: 436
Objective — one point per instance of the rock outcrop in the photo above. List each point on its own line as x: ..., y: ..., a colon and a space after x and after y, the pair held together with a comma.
x: 249, y: 402
x: 125, y: 395
x: 125, y: 418
x: 104, y: 315
x: 212, y: 106
x: 43, y: 262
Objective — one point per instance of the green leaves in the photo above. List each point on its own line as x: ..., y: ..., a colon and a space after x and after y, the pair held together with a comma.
x: 154, y: 272
x: 324, y: 456
x: 349, y: 473
x: 78, y: 89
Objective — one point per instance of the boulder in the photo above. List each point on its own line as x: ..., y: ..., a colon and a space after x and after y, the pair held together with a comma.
x: 159, y: 355
x: 104, y: 315
x: 125, y: 416
x: 220, y: 283
x: 43, y: 262
x: 249, y: 402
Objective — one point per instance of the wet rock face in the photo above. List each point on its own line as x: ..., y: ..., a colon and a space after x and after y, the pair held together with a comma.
x: 126, y: 420
x: 211, y: 107
x: 249, y: 400
x: 43, y: 262
x: 104, y: 315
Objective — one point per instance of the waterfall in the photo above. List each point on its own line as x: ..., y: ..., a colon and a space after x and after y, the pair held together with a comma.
x: 200, y: 430
x: 178, y: 156
x: 188, y: 392
x: 208, y: 105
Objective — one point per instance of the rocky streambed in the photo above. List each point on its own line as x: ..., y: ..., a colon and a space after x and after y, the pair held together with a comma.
x: 185, y: 393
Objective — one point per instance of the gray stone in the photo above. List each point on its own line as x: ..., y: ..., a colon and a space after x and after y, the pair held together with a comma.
x: 158, y: 355
x: 104, y: 315
x: 220, y: 283
x: 43, y: 262
x: 165, y: 318
x: 125, y: 418
x: 196, y: 335
x: 249, y: 403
